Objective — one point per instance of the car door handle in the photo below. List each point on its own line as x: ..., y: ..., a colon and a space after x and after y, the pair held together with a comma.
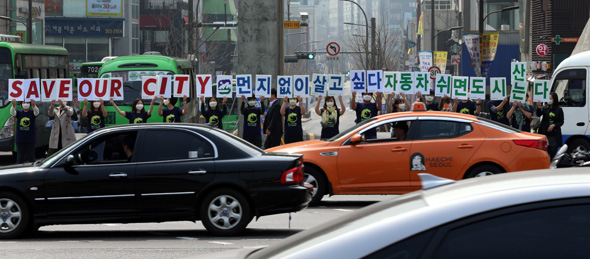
x: 465, y: 146
x: 398, y: 149
x: 580, y: 124
x: 197, y: 172
x: 118, y: 175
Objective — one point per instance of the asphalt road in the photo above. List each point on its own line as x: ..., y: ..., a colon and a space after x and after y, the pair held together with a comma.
x: 173, y: 239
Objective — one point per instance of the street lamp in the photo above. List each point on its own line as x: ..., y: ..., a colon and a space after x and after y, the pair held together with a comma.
x: 503, y: 10
x: 482, y: 21
x: 450, y: 29
x: 366, y: 32
x: 29, y: 38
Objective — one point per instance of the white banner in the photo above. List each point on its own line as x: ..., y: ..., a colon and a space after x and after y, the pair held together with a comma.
x: 357, y: 81
x: 472, y: 44
x: 244, y: 85
x: 263, y: 85
x: 541, y: 90
x: 443, y: 85
x: 460, y: 87
x: 477, y: 87
x: 301, y: 86
x: 425, y: 60
x: 335, y: 85
x: 284, y: 86
x: 318, y: 84
x: 204, y: 85
x: 497, y: 88
x: 224, y: 86
x: 374, y: 81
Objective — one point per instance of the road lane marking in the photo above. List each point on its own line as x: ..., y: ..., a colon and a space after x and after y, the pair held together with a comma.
x: 343, y: 210
x: 221, y: 243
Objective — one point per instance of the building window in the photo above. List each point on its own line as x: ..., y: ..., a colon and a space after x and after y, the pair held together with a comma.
x: 76, y: 50
x: 135, y: 38
x: 54, y: 41
x: 438, y: 5
x: 135, y: 9
x: 98, y: 48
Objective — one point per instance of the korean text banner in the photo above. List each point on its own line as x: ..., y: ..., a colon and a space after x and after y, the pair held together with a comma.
x: 489, y: 46
x: 440, y: 60
x: 472, y: 44
x: 425, y: 60
x: 104, y: 8
x: 83, y: 27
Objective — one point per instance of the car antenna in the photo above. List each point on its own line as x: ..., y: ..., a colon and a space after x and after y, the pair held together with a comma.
x: 430, y: 181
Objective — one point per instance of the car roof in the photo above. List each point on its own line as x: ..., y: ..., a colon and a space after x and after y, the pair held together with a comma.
x: 429, y: 114
x: 578, y: 60
x: 379, y: 225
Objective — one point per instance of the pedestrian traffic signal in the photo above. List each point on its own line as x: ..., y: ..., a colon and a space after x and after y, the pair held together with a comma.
x: 305, y: 55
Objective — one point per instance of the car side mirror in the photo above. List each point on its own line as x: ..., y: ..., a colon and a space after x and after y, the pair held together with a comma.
x: 70, y: 160
x: 356, y: 138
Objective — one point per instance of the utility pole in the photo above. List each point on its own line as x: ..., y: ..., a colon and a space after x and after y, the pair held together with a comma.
x: 30, y: 23
x: 191, y: 27
x: 432, y: 25
x: 373, y: 42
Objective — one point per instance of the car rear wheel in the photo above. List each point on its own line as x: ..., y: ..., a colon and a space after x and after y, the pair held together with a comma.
x: 483, y: 170
x: 14, y: 215
x: 315, y: 178
x: 579, y: 145
x: 225, y: 212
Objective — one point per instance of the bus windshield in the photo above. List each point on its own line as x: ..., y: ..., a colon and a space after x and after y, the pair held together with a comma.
x: 132, y: 82
x: 5, y: 73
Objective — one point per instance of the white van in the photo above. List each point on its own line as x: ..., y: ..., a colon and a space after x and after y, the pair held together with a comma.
x: 570, y: 83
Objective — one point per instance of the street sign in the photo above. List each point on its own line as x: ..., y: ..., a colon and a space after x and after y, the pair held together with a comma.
x: 411, y: 44
x: 456, y: 59
x: 542, y: 49
x: 558, y: 40
x: 433, y: 72
x: 333, y: 49
x: 291, y: 24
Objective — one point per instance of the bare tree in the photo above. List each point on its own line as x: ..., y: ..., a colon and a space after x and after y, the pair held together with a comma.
x: 388, y: 48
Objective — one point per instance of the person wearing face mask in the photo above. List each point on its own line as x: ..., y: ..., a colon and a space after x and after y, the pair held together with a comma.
x: 467, y: 106
x: 445, y: 104
x: 293, y: 127
x: 397, y: 104
x: 25, y: 132
x: 551, y: 123
x: 366, y: 110
x: 520, y: 115
x: 330, y: 116
x: 431, y: 105
x: 171, y: 113
x: 137, y: 113
x: 499, y: 110
x: 251, y: 126
x: 62, y: 131
x: 95, y: 115
x: 213, y: 115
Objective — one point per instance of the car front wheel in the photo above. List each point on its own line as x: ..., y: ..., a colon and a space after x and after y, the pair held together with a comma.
x: 316, y: 179
x: 225, y: 212
x: 14, y: 215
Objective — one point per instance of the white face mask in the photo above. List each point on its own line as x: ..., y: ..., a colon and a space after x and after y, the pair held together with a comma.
x: 367, y: 98
x: 330, y: 104
x: 139, y: 107
x: 213, y: 104
x: 402, y: 106
x: 96, y: 104
x: 550, y: 102
x: 166, y: 102
x: 26, y: 106
x: 429, y: 98
x: 292, y: 102
x: 251, y: 103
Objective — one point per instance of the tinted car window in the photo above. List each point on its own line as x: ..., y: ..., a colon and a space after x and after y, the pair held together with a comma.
x: 409, y: 248
x: 555, y: 232
x: 174, y: 145
x: 570, y: 86
x: 111, y: 148
x: 439, y: 129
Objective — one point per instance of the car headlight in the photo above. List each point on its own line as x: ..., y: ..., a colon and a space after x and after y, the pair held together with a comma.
x: 7, y: 130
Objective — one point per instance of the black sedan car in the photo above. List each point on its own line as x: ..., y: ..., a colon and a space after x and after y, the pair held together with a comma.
x: 152, y: 173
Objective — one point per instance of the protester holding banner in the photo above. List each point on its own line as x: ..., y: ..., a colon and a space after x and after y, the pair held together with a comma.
x: 397, y: 104
x: 467, y: 106
x: 95, y: 115
x: 25, y: 131
x: 171, y: 113
x: 251, y: 130
x: 520, y: 115
x: 273, y: 126
x: 62, y: 131
x: 292, y: 113
x: 431, y: 105
x: 330, y: 116
x: 137, y: 113
x: 551, y: 122
x: 499, y: 111
x: 213, y: 115
x: 366, y: 110
x: 445, y: 104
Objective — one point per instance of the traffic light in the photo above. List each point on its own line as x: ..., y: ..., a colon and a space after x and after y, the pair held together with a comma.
x: 291, y: 59
x: 305, y: 55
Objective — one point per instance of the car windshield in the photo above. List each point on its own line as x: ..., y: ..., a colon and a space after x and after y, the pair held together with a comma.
x: 351, y: 129
x: 132, y: 82
x: 355, y: 220
x: 48, y: 161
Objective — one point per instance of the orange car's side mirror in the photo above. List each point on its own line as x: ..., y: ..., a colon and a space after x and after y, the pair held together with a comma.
x: 356, y: 138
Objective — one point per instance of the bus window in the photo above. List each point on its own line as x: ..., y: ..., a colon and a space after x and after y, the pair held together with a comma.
x: 570, y: 87
x: 44, y: 73
x: 53, y: 73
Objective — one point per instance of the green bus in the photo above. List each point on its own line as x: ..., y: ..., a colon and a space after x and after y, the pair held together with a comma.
x: 131, y: 69
x: 24, y: 61
x: 90, y: 69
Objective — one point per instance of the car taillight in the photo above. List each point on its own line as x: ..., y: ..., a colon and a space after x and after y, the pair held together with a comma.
x: 293, y: 175
x: 532, y: 143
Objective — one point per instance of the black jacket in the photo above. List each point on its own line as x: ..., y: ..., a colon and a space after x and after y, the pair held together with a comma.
x: 273, y: 121
x: 557, y: 120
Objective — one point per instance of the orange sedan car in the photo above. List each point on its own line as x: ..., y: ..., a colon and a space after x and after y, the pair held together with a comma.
x: 450, y: 145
